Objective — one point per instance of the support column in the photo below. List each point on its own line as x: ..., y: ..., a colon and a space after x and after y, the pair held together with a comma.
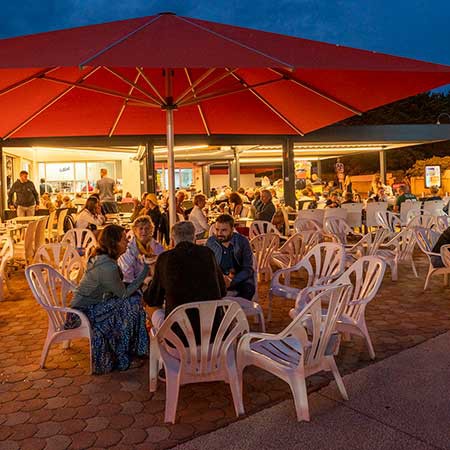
x: 288, y: 172
x: 206, y: 179
x: 234, y: 171
x: 2, y: 186
x: 382, y: 155
x: 319, y: 168
x: 148, y: 173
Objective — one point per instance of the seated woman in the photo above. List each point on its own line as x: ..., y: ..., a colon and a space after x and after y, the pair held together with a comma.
x: 91, y: 215
x: 151, y: 208
x: 114, y: 310
x: 236, y: 205
x: 141, y: 247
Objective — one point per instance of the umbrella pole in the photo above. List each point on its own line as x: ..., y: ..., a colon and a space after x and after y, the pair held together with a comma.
x: 170, y: 148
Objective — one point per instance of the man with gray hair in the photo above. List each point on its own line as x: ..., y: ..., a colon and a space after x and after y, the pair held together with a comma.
x: 187, y: 273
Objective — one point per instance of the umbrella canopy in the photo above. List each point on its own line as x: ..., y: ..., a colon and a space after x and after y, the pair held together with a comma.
x: 128, y: 78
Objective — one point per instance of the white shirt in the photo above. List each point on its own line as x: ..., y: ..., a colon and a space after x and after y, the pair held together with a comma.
x: 85, y: 218
x: 198, y: 218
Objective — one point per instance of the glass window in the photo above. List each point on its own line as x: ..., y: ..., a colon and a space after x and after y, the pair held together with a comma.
x: 80, y: 171
x: 41, y: 170
x: 60, y: 171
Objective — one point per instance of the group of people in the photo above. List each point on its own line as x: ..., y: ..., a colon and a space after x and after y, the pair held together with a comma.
x: 119, y: 279
x: 25, y: 199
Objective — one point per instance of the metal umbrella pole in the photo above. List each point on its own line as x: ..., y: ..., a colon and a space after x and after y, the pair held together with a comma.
x: 169, y: 106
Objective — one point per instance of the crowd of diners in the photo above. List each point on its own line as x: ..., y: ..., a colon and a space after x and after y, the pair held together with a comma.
x: 150, y: 264
x: 137, y: 267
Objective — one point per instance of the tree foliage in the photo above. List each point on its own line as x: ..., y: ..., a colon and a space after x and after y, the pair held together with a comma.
x: 419, y: 167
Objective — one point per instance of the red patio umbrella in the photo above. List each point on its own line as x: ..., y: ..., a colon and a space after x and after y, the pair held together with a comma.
x: 128, y: 78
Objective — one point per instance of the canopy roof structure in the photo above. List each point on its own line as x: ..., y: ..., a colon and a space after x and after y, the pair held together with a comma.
x: 177, y: 75
x: 111, y: 79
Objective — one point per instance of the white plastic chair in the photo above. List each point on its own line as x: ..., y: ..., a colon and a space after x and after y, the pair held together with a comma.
x: 426, y: 240
x: 292, y: 355
x: 80, y: 238
x: 371, y: 212
x: 321, y: 265
x: 294, y: 249
x: 51, y: 291
x: 24, y: 250
x: 49, y: 227
x: 420, y: 218
x: 442, y: 223
x: 334, y: 213
x: 338, y: 230
x: 251, y: 308
x: 400, y: 248
x: 41, y: 228
x: 187, y: 361
x: 312, y: 214
x: 62, y: 257
x: 58, y: 234
x: 301, y: 224
x: 434, y: 207
x: 366, y: 276
x: 354, y: 214
x: 263, y: 246
x: 261, y: 227
x: 405, y: 207
x: 388, y: 221
x: 6, y: 257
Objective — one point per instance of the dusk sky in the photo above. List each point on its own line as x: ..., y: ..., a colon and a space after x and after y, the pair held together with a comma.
x: 412, y: 28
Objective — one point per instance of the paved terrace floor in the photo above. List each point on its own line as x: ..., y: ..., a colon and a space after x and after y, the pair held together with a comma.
x: 63, y: 407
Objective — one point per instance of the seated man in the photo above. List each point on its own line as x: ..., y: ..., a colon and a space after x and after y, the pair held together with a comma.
x: 404, y: 195
x: 234, y: 256
x: 187, y: 273
x: 268, y: 208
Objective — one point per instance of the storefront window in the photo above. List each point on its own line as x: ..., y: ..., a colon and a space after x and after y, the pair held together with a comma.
x: 183, y: 178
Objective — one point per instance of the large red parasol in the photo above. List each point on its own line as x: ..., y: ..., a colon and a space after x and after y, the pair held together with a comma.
x: 129, y: 77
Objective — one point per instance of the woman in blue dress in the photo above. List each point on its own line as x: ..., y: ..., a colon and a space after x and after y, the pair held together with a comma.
x: 114, y: 309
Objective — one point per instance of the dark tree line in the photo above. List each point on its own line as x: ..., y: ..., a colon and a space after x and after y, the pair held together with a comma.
x: 420, y: 109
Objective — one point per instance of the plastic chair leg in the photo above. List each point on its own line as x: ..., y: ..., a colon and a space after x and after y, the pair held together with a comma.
x: 236, y: 391
x: 300, y: 394
x: 45, y: 350
x: 172, y: 392
x: 337, y: 376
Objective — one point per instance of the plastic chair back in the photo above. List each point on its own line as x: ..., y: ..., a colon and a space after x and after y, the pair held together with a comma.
x: 261, y: 227
x: 371, y: 212
x: 80, y: 238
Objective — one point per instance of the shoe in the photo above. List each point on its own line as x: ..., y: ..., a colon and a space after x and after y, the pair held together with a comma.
x: 136, y: 363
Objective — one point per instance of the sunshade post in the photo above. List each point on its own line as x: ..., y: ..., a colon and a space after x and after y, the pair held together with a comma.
x: 169, y: 106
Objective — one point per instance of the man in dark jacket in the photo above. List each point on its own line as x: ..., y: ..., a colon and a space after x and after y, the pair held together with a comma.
x: 187, y: 273
x: 235, y: 257
x: 27, y: 198
x: 268, y: 208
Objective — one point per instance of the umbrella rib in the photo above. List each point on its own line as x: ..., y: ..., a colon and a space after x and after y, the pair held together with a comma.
x: 147, y: 80
x: 27, y: 80
x: 225, y: 92
x: 270, y: 106
x: 122, y: 108
x: 317, y: 92
x: 134, y: 85
x: 118, y: 41
x: 47, y: 105
x: 209, y: 84
x: 99, y: 90
x: 199, y: 107
x: 240, y: 44
x: 192, y: 86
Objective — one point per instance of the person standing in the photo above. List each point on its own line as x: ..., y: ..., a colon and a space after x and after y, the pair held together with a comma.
x: 27, y: 198
x: 106, y: 187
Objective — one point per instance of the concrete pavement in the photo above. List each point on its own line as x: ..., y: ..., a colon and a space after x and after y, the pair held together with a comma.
x: 402, y: 402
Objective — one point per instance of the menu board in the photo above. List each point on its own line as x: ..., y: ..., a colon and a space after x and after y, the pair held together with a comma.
x: 432, y: 176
